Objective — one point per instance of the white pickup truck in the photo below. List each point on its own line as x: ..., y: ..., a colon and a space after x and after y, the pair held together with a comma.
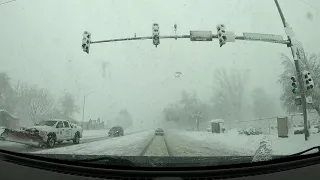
x: 46, y: 133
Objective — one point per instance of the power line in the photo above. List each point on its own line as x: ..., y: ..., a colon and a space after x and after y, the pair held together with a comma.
x: 310, y: 5
x: 7, y: 2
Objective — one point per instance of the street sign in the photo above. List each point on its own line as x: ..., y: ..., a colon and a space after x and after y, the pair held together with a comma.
x: 200, y: 35
x: 309, y: 99
x: 298, y: 100
x: 262, y: 37
x: 231, y: 37
x: 289, y: 30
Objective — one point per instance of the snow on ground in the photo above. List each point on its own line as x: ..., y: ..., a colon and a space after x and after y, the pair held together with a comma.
x: 8, y: 144
x: 157, y: 147
x: 89, y: 134
x: 11, y: 146
x: 129, y: 145
x: 134, y: 129
x: 247, y: 145
x: 189, y: 144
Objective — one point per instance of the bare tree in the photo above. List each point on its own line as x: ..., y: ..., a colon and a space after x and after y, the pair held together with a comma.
x: 68, y: 104
x: 7, y: 98
x: 189, y: 111
x: 229, y: 92
x: 308, y: 62
x: 34, y: 102
x: 263, y: 105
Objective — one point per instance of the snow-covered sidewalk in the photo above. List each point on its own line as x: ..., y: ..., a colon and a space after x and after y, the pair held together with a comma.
x: 130, y: 145
x: 247, y: 145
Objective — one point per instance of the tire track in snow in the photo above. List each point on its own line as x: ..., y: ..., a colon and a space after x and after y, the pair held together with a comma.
x: 147, y: 146
x: 167, y: 145
x: 158, y: 146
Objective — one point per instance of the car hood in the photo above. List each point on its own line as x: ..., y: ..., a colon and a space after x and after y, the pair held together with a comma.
x: 156, y: 161
x: 40, y: 128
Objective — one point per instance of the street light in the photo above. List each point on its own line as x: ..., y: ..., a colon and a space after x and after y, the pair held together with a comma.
x: 84, y: 103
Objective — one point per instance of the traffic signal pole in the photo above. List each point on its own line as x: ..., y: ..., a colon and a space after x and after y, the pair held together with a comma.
x: 227, y: 37
x: 296, y: 57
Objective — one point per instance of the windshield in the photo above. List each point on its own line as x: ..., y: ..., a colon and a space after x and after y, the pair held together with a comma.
x: 47, y: 123
x: 170, y: 79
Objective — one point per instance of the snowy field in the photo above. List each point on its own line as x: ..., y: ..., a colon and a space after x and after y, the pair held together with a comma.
x: 129, y: 145
x: 193, y: 144
x: 247, y: 145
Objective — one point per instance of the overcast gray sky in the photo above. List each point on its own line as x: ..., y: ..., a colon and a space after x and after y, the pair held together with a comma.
x: 41, y: 44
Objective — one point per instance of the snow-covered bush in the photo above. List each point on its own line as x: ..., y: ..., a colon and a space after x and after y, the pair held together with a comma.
x: 250, y: 131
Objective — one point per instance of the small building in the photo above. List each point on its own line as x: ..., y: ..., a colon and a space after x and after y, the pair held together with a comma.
x: 217, y: 126
x: 93, y: 124
x: 8, y: 120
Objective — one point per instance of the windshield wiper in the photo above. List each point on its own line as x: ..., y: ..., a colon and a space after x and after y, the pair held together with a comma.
x: 115, y: 161
x: 307, y: 150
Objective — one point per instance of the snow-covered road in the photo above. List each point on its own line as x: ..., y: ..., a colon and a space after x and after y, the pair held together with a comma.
x: 88, y: 137
x: 16, y: 147
x: 129, y: 145
x: 145, y: 143
x: 157, y: 147
x: 174, y: 143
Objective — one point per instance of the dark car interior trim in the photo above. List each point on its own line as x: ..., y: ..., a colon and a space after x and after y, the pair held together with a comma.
x: 98, y: 170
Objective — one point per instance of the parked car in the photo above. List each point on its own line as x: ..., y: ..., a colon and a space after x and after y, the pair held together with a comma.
x: 116, y: 131
x: 159, y: 132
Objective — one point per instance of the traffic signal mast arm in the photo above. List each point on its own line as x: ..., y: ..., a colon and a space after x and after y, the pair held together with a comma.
x: 214, y: 36
x: 228, y: 36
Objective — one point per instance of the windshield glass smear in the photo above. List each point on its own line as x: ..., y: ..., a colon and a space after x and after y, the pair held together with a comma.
x: 161, y: 79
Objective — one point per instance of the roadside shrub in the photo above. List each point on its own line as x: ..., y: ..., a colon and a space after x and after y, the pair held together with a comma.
x: 250, y: 131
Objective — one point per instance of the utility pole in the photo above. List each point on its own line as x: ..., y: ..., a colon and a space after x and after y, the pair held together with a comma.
x: 296, y: 57
x: 84, y: 103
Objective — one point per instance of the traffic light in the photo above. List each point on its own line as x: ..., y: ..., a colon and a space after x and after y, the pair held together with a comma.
x: 308, y: 80
x: 221, y: 34
x: 155, y: 34
x: 294, y: 85
x: 86, y: 40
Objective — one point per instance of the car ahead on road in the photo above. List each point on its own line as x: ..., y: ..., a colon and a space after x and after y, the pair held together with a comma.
x: 159, y: 132
x: 46, y: 133
x: 116, y: 131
